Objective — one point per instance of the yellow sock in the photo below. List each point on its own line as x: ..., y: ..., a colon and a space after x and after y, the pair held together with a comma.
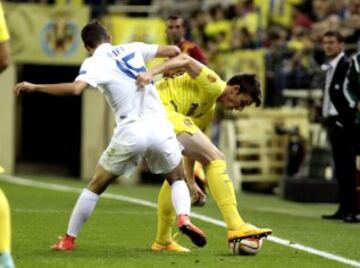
x: 222, y: 190
x: 166, y: 215
x: 4, y: 223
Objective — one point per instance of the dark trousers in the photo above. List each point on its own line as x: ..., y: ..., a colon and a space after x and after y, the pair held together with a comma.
x: 344, y: 161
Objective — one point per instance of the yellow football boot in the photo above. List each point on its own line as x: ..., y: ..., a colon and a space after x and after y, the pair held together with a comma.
x: 172, y: 247
x: 248, y: 230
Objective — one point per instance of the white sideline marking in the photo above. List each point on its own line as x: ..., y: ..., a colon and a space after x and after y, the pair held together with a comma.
x: 278, y: 240
x: 55, y: 211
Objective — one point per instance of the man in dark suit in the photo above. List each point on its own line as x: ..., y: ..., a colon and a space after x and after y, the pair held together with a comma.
x: 338, y: 112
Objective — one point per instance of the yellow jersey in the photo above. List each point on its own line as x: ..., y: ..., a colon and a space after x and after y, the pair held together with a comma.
x: 190, y: 100
x: 4, y: 34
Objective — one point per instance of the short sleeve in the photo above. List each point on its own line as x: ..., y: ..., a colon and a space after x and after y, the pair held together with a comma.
x: 210, y: 84
x: 90, y: 73
x: 148, y: 51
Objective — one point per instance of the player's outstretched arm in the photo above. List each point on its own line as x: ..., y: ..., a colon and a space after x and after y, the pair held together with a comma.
x: 191, y: 66
x: 168, y: 51
x: 63, y: 89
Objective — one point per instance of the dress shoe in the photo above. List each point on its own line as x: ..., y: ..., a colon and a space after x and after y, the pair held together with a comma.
x: 350, y: 218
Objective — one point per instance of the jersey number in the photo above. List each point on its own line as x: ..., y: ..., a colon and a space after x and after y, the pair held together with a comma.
x: 127, y: 68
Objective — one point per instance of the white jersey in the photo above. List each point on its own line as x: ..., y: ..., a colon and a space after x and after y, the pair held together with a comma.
x: 113, y: 70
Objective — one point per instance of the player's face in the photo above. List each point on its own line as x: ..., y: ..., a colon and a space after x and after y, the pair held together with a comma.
x: 175, y: 30
x: 236, y: 101
x: 332, y: 47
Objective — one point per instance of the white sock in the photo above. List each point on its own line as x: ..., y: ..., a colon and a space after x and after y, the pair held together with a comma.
x: 83, y: 209
x: 180, y: 197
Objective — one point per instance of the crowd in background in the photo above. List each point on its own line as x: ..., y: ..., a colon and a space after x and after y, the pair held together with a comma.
x: 289, y: 31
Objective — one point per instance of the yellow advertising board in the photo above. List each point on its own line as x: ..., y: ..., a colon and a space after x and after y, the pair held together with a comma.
x: 127, y: 30
x: 46, y: 34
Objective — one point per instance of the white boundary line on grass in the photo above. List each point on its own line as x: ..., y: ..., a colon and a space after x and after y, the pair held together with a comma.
x: 278, y: 240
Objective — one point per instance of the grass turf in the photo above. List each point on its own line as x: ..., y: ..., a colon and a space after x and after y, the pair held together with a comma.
x: 119, y: 234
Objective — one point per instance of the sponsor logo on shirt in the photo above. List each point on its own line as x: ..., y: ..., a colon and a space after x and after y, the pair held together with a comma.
x: 211, y: 78
x: 187, y: 122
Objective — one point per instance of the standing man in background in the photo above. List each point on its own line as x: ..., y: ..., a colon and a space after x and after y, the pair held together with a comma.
x: 176, y: 31
x: 353, y: 86
x: 5, y: 223
x: 339, y: 119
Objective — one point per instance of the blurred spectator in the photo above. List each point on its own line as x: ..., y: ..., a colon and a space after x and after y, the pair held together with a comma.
x: 281, y: 12
x: 247, y: 20
x: 301, y: 69
x: 198, y: 22
x: 176, y: 30
x: 276, y: 54
x: 320, y: 9
x: 218, y: 29
x: 300, y: 18
x: 242, y: 39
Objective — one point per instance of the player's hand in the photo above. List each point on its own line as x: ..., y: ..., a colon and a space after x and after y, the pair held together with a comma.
x: 197, y: 195
x: 144, y: 79
x: 24, y: 86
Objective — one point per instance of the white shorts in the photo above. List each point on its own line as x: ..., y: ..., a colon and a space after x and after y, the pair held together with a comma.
x: 152, y: 138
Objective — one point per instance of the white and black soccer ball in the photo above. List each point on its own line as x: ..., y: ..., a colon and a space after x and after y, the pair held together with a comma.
x: 245, y: 246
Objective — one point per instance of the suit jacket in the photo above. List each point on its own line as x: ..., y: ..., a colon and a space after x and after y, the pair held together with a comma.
x: 353, y: 85
x: 337, y: 97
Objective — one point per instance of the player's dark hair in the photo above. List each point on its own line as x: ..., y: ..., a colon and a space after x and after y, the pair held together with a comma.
x: 94, y: 34
x: 176, y: 17
x: 249, y: 84
x: 339, y: 37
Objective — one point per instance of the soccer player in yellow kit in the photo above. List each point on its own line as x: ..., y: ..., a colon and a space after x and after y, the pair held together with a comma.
x: 5, y: 230
x: 190, y: 101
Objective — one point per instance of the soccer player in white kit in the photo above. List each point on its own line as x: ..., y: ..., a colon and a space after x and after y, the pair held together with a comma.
x: 139, y: 116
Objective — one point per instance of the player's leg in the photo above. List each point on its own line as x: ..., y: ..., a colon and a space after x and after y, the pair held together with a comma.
x: 118, y: 158
x: 165, y: 157
x: 166, y: 215
x: 181, y: 201
x: 5, y: 233
x: 84, y: 207
x: 199, y: 147
x: 166, y: 218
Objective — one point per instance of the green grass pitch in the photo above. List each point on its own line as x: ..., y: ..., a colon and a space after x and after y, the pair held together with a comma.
x: 119, y: 234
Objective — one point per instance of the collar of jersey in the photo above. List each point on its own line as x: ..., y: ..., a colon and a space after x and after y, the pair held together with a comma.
x: 102, y: 48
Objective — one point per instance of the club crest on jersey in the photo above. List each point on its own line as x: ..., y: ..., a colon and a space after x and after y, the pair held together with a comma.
x: 211, y: 78
x: 187, y: 122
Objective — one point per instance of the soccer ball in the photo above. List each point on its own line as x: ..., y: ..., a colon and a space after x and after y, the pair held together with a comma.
x: 245, y: 246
